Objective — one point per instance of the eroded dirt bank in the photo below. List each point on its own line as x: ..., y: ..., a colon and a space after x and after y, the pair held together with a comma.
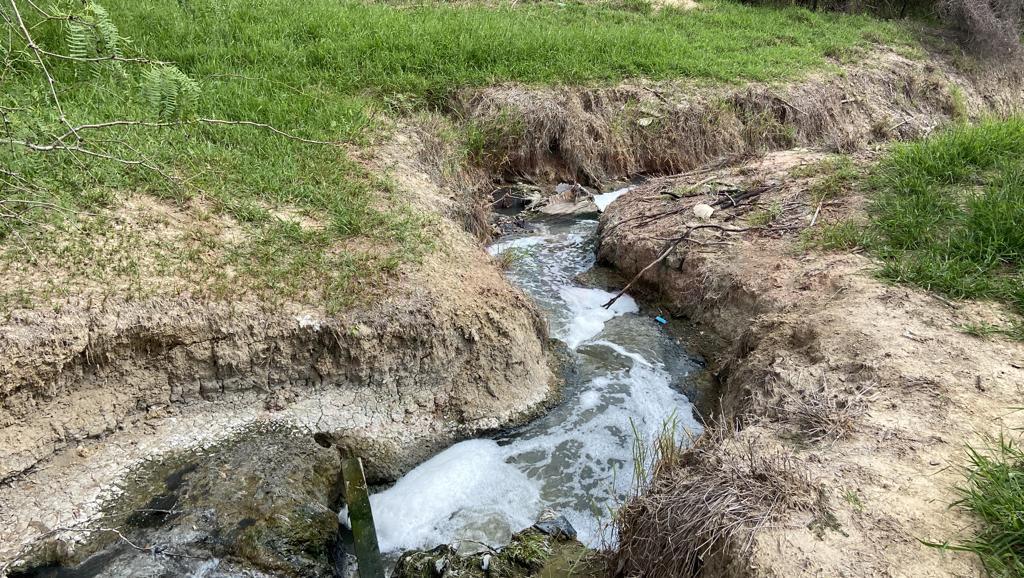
x: 846, y: 402
x: 91, y: 390
x: 596, y: 135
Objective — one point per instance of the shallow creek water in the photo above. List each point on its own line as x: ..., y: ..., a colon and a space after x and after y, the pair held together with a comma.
x: 578, y: 458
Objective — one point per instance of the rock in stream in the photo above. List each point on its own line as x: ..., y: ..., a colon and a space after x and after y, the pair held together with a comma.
x: 264, y: 503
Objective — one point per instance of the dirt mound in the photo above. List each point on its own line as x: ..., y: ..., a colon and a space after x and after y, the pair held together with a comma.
x: 871, y: 389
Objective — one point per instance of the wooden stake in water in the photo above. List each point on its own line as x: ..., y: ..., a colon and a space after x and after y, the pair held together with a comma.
x: 361, y: 517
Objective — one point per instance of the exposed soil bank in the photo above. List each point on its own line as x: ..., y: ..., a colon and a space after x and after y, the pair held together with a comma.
x: 596, y: 135
x: 851, y: 400
x: 91, y: 390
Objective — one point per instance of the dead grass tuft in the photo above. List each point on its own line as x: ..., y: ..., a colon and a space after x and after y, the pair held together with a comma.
x: 717, y: 497
x: 991, y: 27
x: 826, y: 412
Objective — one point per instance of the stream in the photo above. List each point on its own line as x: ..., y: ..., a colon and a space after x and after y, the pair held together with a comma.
x: 577, y: 459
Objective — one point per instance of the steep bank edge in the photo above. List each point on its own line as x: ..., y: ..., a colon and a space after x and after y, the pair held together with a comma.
x: 643, y: 128
x: 810, y: 330
x: 90, y: 391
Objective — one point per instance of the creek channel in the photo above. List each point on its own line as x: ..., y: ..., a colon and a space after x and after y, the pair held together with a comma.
x: 630, y: 382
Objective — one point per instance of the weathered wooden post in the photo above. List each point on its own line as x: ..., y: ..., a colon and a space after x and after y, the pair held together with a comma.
x: 360, y: 516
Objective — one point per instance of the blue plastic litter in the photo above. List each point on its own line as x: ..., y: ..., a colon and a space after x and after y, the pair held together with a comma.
x: 661, y: 320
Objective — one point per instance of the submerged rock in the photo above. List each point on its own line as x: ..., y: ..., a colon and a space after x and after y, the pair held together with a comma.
x: 570, y: 200
x: 548, y: 549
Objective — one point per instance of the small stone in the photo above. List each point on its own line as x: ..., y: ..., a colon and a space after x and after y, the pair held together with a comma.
x: 703, y: 211
x: 558, y: 528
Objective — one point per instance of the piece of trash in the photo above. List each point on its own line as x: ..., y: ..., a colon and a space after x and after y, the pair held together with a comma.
x: 661, y: 320
x: 703, y: 211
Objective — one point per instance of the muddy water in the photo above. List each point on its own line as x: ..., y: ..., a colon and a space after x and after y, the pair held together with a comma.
x: 578, y: 458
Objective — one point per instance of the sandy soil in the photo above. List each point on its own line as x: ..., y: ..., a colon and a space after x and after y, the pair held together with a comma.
x: 810, y: 327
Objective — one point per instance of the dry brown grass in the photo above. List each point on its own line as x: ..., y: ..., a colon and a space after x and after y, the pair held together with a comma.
x: 991, y: 27
x: 591, y: 135
x: 715, y: 498
x: 826, y: 412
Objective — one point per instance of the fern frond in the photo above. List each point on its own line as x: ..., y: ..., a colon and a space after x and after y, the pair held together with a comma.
x: 170, y: 92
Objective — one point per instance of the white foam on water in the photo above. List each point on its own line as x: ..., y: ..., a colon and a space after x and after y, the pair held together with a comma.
x: 577, y: 459
x: 464, y: 492
x: 520, y: 243
x: 588, y: 315
x: 589, y: 400
x: 623, y: 351
x: 586, y: 459
x: 602, y: 201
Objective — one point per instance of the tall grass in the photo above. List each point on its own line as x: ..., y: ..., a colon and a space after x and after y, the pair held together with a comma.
x: 948, y: 213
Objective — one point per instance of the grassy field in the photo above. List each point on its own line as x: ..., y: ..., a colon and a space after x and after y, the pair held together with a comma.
x: 947, y: 214
x: 331, y: 70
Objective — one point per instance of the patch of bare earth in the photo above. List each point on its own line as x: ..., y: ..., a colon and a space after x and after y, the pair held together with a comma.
x: 846, y: 402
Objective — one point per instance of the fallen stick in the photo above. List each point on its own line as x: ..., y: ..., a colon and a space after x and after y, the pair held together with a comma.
x: 733, y: 201
x: 814, y: 219
x: 672, y: 245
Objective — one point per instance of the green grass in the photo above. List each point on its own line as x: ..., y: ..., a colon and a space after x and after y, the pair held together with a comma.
x: 330, y: 70
x: 947, y: 213
x: 427, y: 50
x: 1014, y: 330
x: 839, y: 174
x: 994, y: 492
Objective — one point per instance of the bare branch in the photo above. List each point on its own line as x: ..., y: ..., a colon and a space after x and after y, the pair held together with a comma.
x: 673, y: 243
x: 59, y: 146
x: 39, y: 58
x: 108, y: 58
x: 212, y: 121
x: 265, y: 126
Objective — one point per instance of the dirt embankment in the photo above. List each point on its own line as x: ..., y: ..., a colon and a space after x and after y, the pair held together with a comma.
x: 88, y: 391
x: 846, y: 402
x: 596, y: 135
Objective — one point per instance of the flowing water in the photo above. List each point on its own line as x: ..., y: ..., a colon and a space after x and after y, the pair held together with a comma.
x: 578, y: 458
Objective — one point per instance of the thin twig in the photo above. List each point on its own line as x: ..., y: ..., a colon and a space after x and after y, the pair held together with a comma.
x: 668, y: 250
x: 814, y: 219
x: 38, y: 52
x: 109, y: 58
x: 268, y: 127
